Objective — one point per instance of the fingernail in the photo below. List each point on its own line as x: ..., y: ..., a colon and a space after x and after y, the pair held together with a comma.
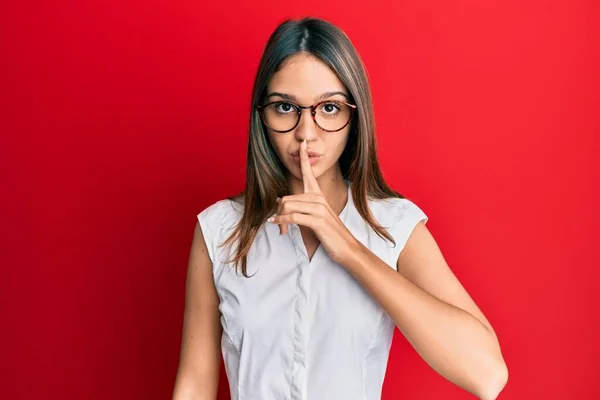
x: 271, y: 219
x: 304, y: 144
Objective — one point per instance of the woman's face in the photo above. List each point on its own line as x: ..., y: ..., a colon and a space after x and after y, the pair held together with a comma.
x: 305, y: 80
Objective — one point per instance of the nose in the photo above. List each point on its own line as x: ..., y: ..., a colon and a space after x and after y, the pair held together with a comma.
x: 306, y: 129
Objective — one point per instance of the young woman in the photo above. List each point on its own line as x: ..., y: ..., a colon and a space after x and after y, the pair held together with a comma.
x: 328, y: 259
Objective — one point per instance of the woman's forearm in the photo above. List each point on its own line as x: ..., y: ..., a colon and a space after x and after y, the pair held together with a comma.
x: 452, y: 341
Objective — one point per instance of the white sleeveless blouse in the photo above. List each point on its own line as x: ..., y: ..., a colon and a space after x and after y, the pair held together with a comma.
x: 300, y: 330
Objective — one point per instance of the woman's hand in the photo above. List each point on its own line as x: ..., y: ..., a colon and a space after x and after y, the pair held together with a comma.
x: 312, y: 210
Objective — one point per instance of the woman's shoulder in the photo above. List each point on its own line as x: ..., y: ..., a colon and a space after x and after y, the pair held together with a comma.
x: 392, y: 209
x: 221, y: 213
x: 214, y: 209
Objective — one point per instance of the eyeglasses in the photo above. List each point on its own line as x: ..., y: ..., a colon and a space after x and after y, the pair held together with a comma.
x: 329, y: 115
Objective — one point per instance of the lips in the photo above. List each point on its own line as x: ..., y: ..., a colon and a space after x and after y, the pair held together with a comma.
x: 312, y: 160
x: 311, y: 153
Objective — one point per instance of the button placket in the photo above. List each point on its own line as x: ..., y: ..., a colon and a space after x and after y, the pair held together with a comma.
x: 301, y: 320
x: 301, y: 317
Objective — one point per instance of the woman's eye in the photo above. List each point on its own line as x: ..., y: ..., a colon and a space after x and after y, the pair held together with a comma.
x: 330, y: 108
x: 284, y: 108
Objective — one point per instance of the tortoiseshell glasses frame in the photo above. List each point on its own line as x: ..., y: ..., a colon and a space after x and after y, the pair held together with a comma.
x: 261, y: 109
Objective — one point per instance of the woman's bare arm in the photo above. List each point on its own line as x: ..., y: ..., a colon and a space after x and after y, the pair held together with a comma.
x: 200, y: 358
x: 435, y: 313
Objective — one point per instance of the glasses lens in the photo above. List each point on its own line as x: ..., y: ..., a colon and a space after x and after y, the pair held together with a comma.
x: 332, y: 115
x: 280, y: 116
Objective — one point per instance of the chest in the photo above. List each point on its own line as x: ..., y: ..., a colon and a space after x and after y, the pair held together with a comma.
x: 293, y: 286
x: 310, y: 241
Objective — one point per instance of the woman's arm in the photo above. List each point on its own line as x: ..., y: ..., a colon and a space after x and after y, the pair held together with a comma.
x: 200, y: 358
x: 435, y: 313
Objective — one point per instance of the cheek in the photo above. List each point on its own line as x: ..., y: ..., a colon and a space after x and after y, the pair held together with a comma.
x: 336, y: 144
x: 278, y: 142
x: 282, y: 144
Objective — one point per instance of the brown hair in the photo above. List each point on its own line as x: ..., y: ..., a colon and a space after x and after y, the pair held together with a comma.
x: 266, y: 175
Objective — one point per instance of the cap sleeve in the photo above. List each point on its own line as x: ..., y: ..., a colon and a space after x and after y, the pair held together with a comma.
x: 209, y: 220
x: 404, y: 215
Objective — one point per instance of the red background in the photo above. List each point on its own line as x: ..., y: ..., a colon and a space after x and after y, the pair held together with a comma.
x: 120, y: 121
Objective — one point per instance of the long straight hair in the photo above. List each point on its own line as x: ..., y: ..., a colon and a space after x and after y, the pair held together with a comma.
x: 266, y: 177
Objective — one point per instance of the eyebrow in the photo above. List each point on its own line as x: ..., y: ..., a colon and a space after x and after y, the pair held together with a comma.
x: 291, y: 97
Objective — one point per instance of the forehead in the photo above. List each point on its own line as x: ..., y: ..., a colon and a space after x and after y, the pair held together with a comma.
x: 306, y: 77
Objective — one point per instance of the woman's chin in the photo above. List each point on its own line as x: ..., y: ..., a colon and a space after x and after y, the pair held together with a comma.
x: 317, y: 171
